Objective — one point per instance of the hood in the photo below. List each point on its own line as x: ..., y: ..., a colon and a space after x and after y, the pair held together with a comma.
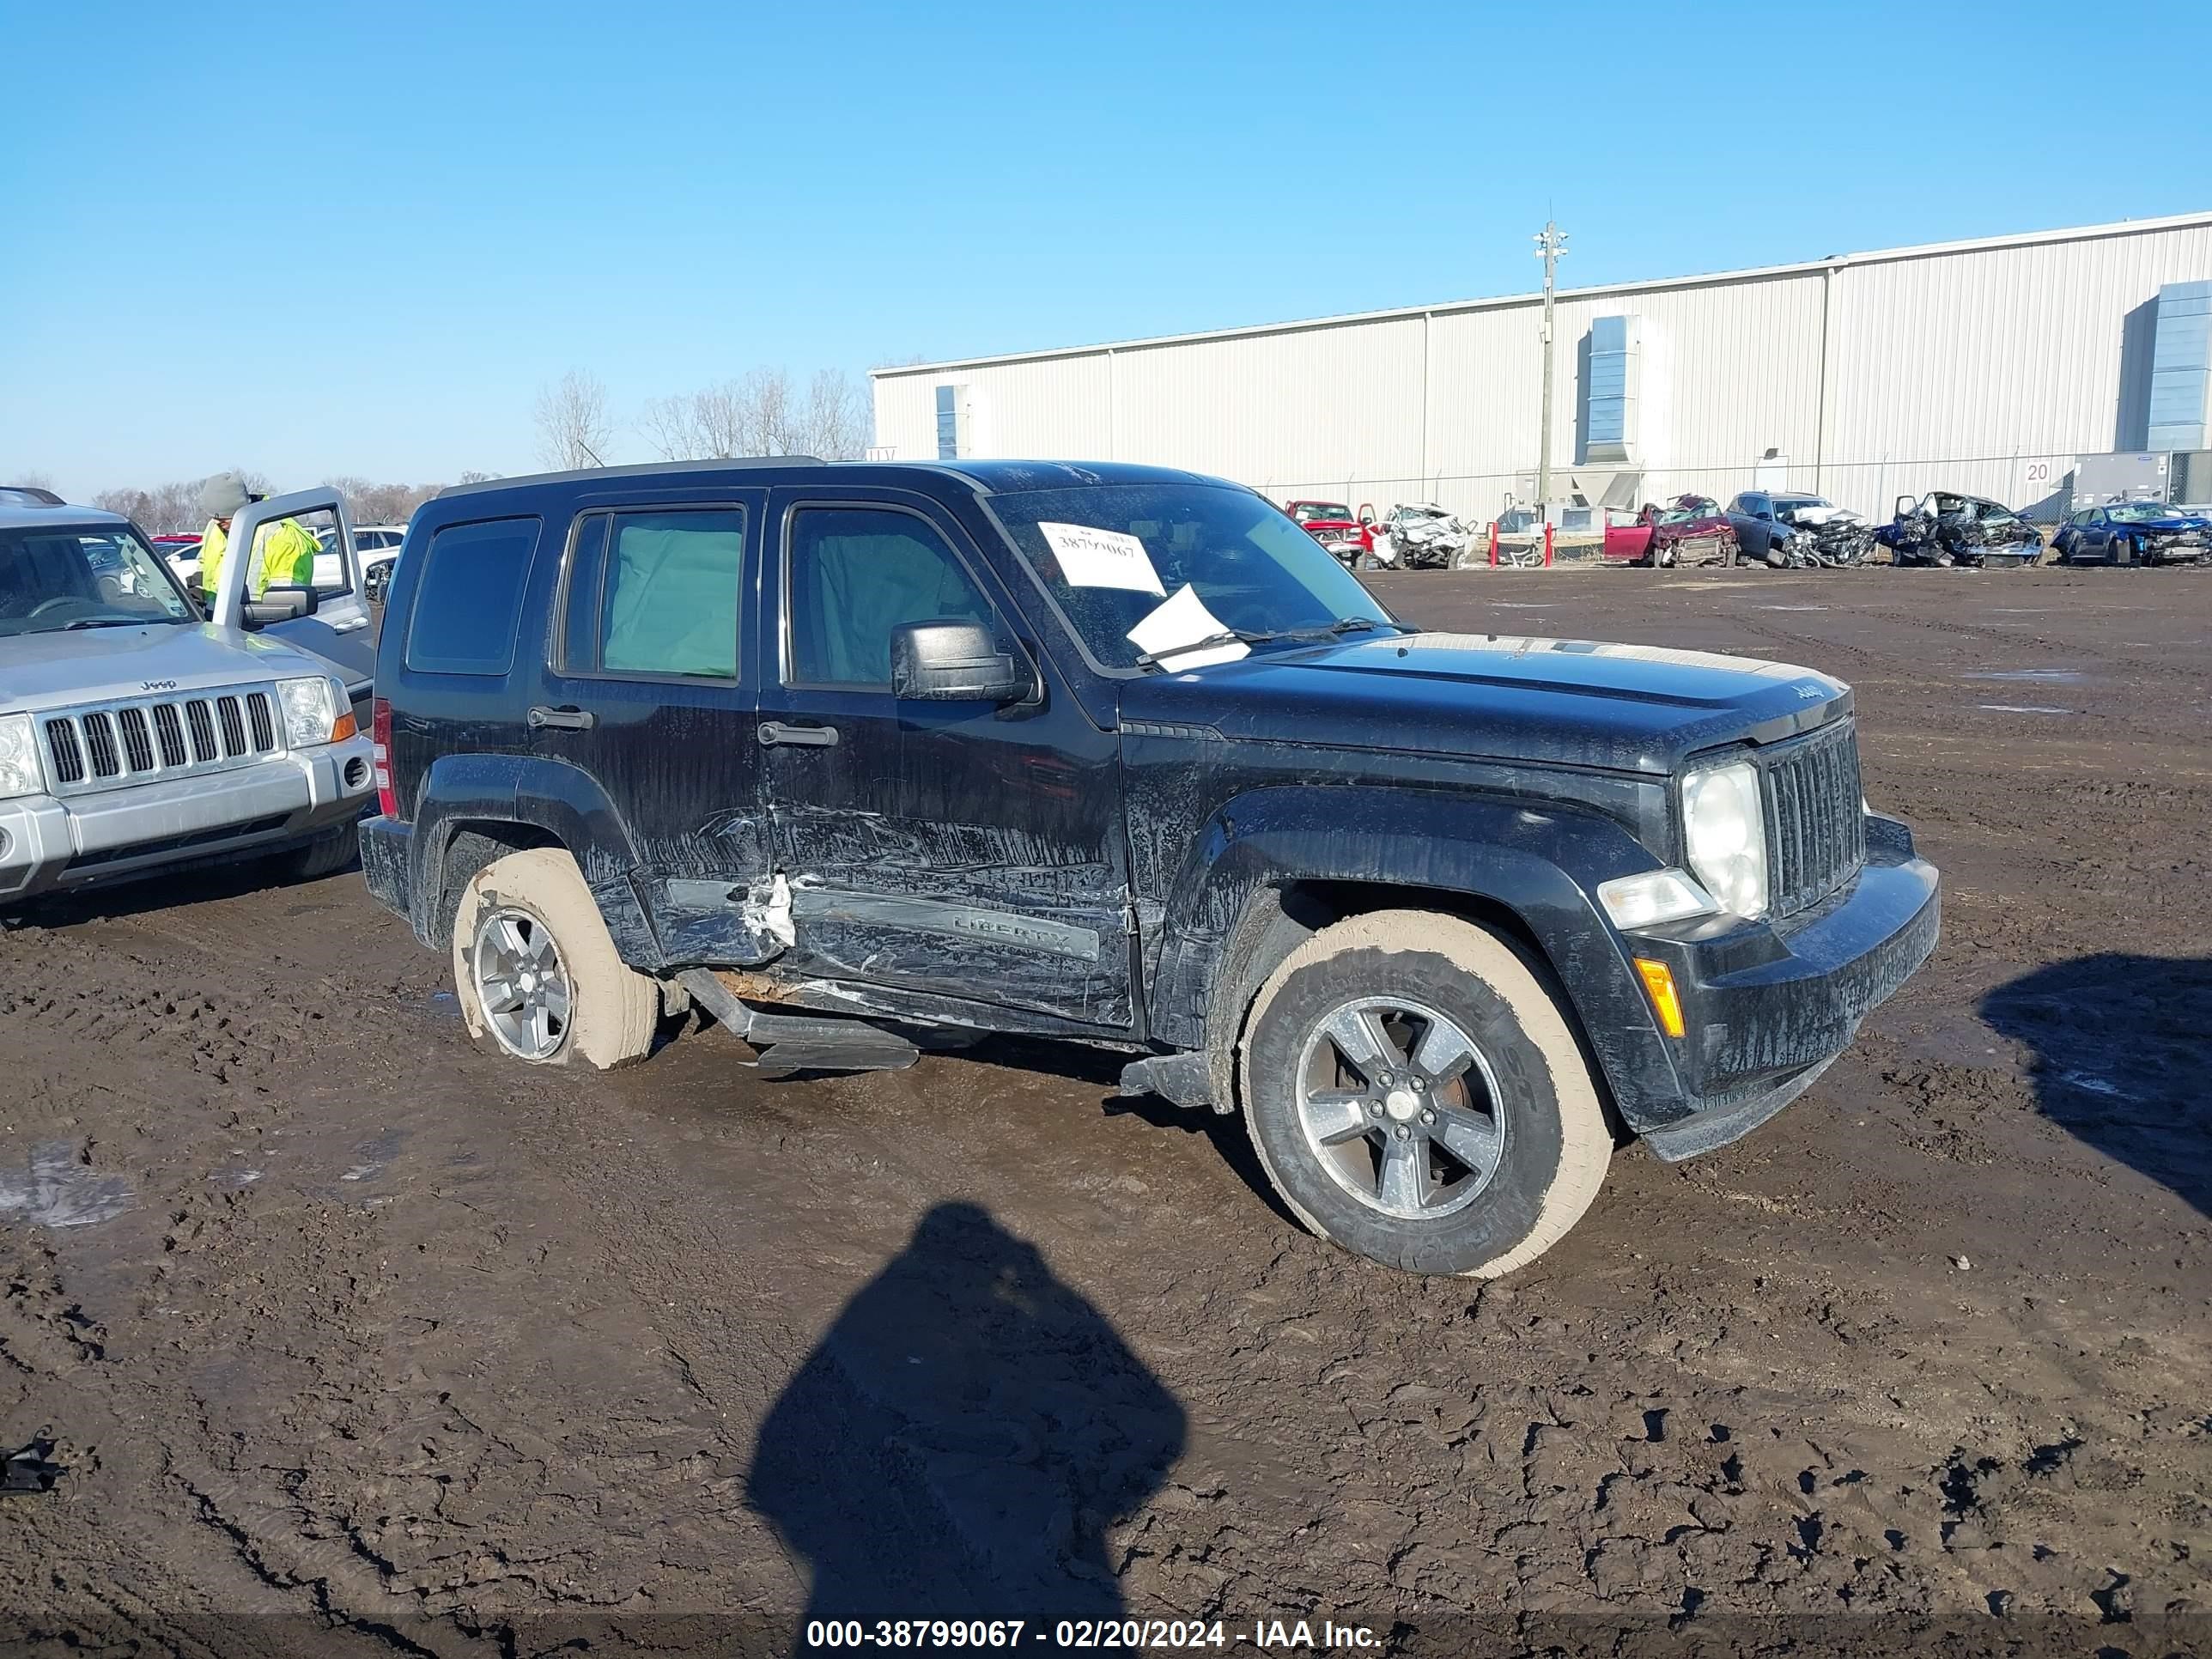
x: 1818, y: 518
x: 2170, y: 524
x: 1622, y: 708
x: 46, y: 670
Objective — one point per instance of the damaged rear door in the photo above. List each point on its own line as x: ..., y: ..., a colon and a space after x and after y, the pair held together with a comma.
x: 963, y: 848
x: 648, y: 695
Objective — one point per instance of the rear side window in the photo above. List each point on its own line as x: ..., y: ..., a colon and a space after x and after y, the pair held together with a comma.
x: 468, y: 602
x: 654, y: 595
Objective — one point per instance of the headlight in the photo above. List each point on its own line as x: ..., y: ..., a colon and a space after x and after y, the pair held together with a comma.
x: 1726, y: 834
x: 20, y: 771
x: 1655, y: 897
x: 315, y: 711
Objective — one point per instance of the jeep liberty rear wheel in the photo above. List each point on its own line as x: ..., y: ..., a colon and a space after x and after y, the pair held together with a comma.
x: 538, y: 977
x: 1415, y: 1096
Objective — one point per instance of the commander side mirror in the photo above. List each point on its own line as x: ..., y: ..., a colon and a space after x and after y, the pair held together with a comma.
x: 278, y: 604
x: 949, y: 661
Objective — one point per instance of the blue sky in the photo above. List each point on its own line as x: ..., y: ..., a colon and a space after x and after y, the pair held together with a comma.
x: 316, y: 240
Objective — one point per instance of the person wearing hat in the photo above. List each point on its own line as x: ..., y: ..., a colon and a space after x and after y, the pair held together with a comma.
x: 283, y: 553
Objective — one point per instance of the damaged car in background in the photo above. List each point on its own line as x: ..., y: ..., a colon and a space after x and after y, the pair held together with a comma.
x: 2134, y: 533
x: 862, y: 759
x: 1688, y: 530
x: 1943, y: 529
x: 1352, y: 539
x: 1426, y: 537
x: 1798, y: 532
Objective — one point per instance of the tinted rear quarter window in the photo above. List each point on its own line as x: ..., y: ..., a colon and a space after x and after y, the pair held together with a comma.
x: 468, y: 602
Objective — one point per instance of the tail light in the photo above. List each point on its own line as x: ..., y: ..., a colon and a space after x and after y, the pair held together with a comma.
x: 379, y: 736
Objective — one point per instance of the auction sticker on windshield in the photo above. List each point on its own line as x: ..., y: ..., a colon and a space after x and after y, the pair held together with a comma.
x: 1102, y: 558
x: 1171, y: 635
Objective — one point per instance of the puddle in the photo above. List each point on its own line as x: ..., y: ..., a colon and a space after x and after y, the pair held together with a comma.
x: 2033, y: 676
x: 1793, y: 607
x: 57, y: 1189
x: 2095, y: 1084
x: 1522, y: 605
x: 2024, y: 708
x: 374, y: 1154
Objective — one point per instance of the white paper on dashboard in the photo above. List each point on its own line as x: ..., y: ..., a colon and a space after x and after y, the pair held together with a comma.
x: 1091, y: 558
x: 1170, y: 633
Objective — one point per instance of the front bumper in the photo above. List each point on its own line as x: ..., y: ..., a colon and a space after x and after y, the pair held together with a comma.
x: 1766, y: 1009
x: 117, y: 835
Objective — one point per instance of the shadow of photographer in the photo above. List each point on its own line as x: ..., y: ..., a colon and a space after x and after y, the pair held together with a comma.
x: 961, y: 1439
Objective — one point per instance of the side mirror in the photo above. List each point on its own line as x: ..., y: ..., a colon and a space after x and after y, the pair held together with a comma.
x: 955, y: 662
x: 278, y: 604
x: 1907, y: 506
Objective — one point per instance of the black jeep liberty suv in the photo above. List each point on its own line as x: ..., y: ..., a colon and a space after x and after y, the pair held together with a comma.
x: 850, y: 757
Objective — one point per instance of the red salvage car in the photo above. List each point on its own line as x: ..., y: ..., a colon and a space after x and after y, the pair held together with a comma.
x: 1332, y: 522
x: 1691, y: 527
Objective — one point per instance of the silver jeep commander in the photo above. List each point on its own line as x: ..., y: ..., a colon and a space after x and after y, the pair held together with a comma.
x: 137, y: 736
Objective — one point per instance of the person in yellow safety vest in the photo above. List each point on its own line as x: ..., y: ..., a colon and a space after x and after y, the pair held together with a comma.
x: 283, y: 553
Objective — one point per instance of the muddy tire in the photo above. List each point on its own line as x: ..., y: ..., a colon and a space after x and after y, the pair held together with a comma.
x: 538, y: 977
x: 1416, y: 1096
x: 326, y: 855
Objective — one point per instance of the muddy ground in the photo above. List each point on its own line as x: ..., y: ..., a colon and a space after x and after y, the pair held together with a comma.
x: 352, y: 1340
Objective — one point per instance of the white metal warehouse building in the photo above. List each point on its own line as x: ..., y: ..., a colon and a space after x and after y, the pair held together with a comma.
x: 1985, y: 367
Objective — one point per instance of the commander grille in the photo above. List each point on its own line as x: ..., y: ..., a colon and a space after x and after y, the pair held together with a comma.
x: 1816, y: 817
x: 145, y: 739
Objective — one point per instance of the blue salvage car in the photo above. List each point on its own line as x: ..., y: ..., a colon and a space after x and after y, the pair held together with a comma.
x: 2134, y: 533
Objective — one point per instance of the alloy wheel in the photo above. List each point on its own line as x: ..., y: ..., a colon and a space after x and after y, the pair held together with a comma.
x: 521, y: 983
x: 1400, y: 1107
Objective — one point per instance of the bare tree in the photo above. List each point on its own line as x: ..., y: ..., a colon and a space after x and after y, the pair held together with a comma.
x: 838, y: 420
x: 760, y: 413
x: 474, y: 477
x: 33, y: 479
x: 573, y: 429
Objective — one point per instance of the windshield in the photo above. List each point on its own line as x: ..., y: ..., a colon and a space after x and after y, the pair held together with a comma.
x: 1787, y: 507
x: 1309, y: 512
x: 1175, y: 563
x: 53, y: 579
x: 2140, y: 512
x: 1683, y: 511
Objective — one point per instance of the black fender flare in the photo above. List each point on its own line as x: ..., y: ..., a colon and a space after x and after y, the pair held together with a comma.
x: 549, y: 796
x: 1539, y: 862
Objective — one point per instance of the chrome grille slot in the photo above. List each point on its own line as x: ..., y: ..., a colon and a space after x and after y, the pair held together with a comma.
x: 99, y: 745
x: 145, y: 739
x: 1815, y: 818
x: 171, y: 731
x: 202, y: 725
x: 67, y: 752
x: 137, y: 744
x: 233, y: 727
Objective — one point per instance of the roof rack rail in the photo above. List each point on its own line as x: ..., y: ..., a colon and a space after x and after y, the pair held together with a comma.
x: 31, y: 495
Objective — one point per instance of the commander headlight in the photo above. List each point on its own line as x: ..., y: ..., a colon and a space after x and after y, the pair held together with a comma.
x: 316, y: 711
x: 20, y: 771
x: 1725, y: 831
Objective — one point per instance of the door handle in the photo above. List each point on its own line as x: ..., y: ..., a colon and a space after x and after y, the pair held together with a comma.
x: 562, y: 720
x: 351, y: 625
x: 773, y: 732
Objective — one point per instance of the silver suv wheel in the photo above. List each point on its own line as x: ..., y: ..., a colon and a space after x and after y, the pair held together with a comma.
x: 1400, y: 1107
x: 521, y: 983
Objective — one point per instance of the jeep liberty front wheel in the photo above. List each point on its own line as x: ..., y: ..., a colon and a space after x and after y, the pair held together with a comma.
x: 1415, y: 1096
x: 538, y: 977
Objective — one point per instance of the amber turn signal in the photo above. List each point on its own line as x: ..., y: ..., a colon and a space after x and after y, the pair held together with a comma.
x: 348, y: 726
x: 1659, y: 986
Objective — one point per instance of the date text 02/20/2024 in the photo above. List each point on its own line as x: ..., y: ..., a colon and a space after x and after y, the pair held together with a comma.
x: 1289, y: 1635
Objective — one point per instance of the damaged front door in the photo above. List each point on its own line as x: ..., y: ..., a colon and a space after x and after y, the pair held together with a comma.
x: 972, y: 847
x: 648, y: 693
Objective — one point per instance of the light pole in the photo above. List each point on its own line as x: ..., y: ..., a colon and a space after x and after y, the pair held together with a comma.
x: 1551, y: 248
